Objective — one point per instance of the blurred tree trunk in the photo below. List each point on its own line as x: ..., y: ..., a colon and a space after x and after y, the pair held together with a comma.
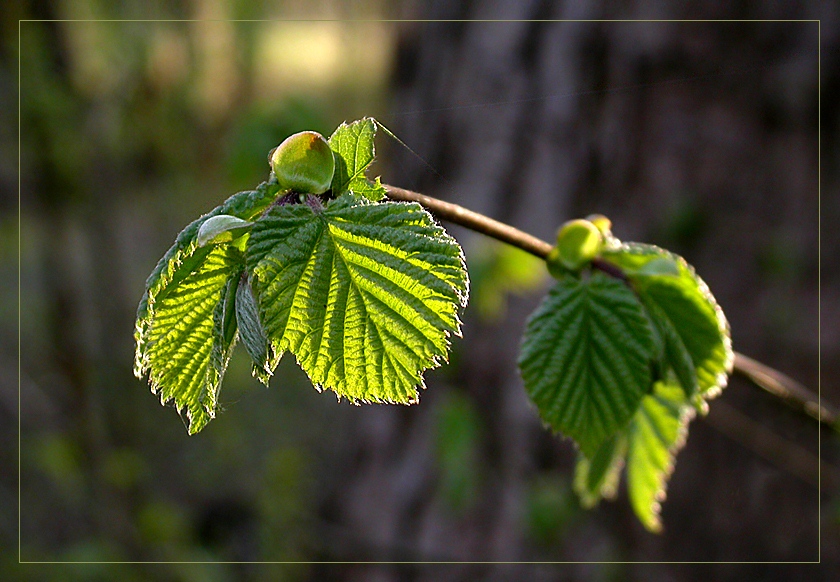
x: 700, y: 137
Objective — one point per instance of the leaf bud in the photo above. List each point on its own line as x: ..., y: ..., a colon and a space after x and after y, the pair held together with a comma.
x: 601, y: 222
x: 578, y: 242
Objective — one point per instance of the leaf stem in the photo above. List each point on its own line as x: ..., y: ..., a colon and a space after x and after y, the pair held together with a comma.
x: 764, y: 376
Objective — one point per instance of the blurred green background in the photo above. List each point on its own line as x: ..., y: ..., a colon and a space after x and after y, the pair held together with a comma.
x: 131, y: 129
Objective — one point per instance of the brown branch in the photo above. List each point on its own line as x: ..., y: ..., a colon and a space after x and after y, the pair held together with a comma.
x: 762, y: 375
x: 473, y: 221
x: 764, y: 442
x: 786, y: 388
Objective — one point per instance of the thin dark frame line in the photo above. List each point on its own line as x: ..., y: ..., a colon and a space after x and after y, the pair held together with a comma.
x: 819, y: 367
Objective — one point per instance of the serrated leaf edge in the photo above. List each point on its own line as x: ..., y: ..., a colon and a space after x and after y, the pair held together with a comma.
x: 462, y: 296
x: 249, y: 203
x: 687, y: 414
x: 721, y: 378
x: 546, y: 423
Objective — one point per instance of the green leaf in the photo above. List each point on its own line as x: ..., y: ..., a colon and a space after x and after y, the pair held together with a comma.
x: 585, y: 358
x: 364, y: 294
x: 648, y: 446
x: 179, y: 260
x: 251, y: 331
x: 370, y: 189
x: 598, y: 478
x: 187, y: 344
x: 659, y: 266
x: 353, y: 145
x: 683, y: 309
x: 658, y: 430
x: 185, y: 325
x: 228, y: 307
x: 674, y: 353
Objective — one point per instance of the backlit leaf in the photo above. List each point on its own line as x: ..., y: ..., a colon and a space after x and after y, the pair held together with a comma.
x: 598, y: 478
x: 648, y: 447
x: 685, y: 305
x: 658, y: 430
x: 251, y: 332
x: 354, y: 151
x: 185, y: 325
x: 186, y: 349
x: 364, y: 294
x: 674, y: 351
x: 221, y: 228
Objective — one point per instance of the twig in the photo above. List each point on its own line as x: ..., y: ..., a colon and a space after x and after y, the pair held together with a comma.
x: 762, y: 375
x: 767, y: 444
x: 474, y: 221
x: 785, y: 388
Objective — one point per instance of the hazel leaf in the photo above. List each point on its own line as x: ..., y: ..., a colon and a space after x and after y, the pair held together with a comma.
x: 354, y: 153
x: 221, y: 228
x: 585, y: 358
x: 364, y: 294
x: 685, y: 304
x: 658, y: 430
x: 185, y: 328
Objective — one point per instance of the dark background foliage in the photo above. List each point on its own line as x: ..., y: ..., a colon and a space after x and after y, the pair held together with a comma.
x: 698, y: 136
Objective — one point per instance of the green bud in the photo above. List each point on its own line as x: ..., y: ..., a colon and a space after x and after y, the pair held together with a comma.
x: 601, y: 222
x: 578, y: 242
x: 304, y: 163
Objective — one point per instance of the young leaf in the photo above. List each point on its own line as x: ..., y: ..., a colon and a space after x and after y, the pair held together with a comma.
x: 364, y: 294
x: 659, y: 266
x: 585, y: 358
x: 221, y: 228
x: 675, y: 353
x: 598, y: 479
x: 186, y: 344
x: 253, y: 336
x: 185, y: 326
x: 648, y: 446
x: 242, y: 205
x: 354, y: 149
x: 370, y: 189
x: 657, y: 431
x: 686, y: 306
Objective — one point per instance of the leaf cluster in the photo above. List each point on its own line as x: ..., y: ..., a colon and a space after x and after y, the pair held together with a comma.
x: 619, y: 356
x: 365, y: 292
